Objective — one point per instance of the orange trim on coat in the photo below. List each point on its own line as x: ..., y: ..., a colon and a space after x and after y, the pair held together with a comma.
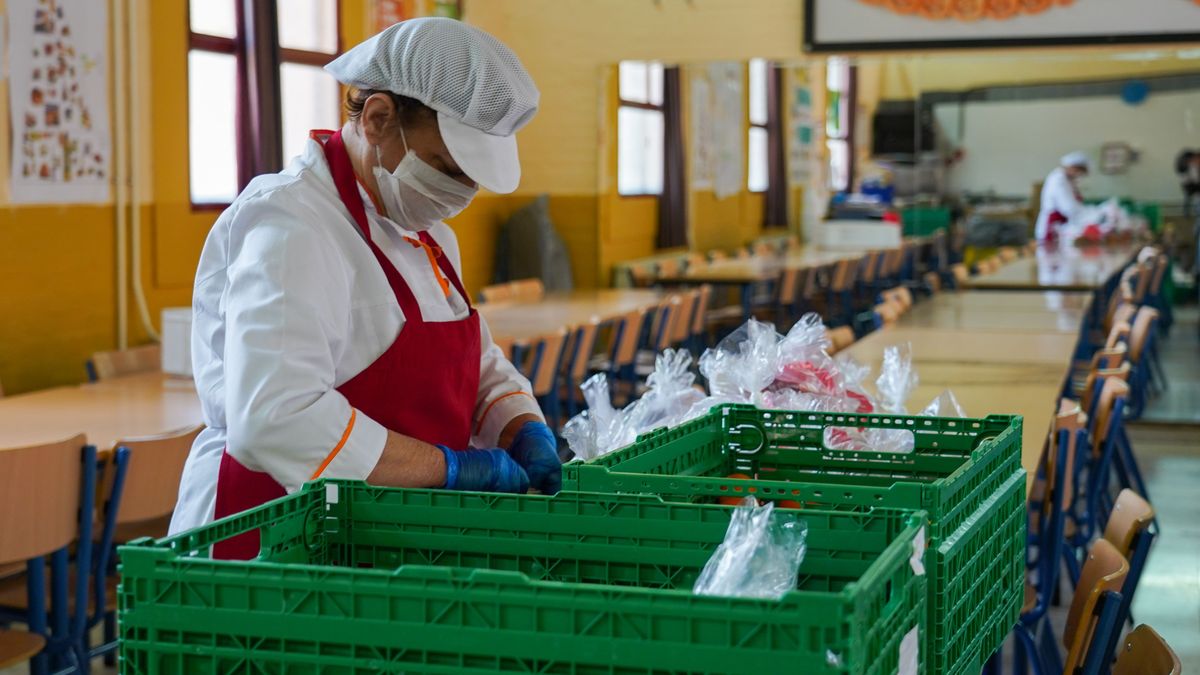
x: 488, y: 409
x: 337, y: 448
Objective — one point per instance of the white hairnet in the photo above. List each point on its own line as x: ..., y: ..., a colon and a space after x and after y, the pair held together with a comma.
x: 478, y: 87
x: 1076, y: 159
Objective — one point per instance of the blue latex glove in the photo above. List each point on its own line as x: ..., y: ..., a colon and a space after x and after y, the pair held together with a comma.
x: 490, y: 470
x: 536, y: 450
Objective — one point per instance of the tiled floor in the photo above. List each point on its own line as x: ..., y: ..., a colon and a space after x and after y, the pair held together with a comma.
x: 1180, y: 354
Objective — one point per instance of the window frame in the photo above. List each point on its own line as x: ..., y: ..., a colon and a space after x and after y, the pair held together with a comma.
x: 846, y: 132
x: 768, y: 66
x: 642, y: 105
x: 236, y: 46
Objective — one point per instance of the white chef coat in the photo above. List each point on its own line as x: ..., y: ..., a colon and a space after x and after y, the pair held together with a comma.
x: 1058, y: 194
x: 289, y: 304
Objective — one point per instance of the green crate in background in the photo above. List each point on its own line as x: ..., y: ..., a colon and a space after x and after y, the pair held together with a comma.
x: 359, y: 579
x: 957, y: 472
x: 922, y: 221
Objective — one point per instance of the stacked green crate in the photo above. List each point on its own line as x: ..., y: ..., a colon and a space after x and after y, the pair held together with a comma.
x: 966, y: 473
x: 359, y: 579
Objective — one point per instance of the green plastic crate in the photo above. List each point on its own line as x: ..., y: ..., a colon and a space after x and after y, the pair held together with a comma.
x: 359, y: 579
x: 921, y: 221
x: 958, y: 472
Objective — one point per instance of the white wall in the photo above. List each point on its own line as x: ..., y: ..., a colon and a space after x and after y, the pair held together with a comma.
x: 1011, y: 144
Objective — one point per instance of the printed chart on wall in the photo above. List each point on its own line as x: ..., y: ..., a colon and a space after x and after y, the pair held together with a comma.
x: 58, y: 95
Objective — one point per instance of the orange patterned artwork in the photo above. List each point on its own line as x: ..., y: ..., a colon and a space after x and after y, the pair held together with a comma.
x: 969, y: 10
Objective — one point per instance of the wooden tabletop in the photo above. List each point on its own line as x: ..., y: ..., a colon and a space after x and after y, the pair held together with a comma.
x: 990, y: 369
x: 524, y: 320
x: 107, y: 411
x: 1060, y: 267
x: 1005, y: 311
x: 759, y: 268
x: 969, y: 346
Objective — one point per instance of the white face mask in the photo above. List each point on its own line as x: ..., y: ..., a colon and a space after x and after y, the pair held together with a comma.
x: 416, y: 195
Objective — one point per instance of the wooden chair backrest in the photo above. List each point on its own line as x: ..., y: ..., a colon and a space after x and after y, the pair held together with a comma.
x: 789, y: 283
x: 870, y: 266
x: 843, y: 275
x: 665, y: 316
x: 887, y: 312
x: 642, y: 275
x: 1123, y: 312
x: 694, y: 259
x: 1103, y: 571
x: 960, y: 271
x: 681, y: 323
x: 40, y: 498
x: 764, y: 249
x: 1160, y: 269
x: 668, y: 267
x: 933, y: 281
x: 717, y: 255
x: 1071, y: 418
x: 152, y: 481
x: 1120, y: 332
x: 542, y: 373
x: 147, y: 359
x: 1112, y: 389
x: 506, y: 345
x: 631, y: 329
x: 703, y: 297
x: 1121, y: 372
x: 839, y: 338
x: 1008, y: 254
x: 496, y: 293
x: 582, y: 344
x: 742, y: 253
x: 1144, y: 652
x: 1130, y: 516
x: 1143, y: 325
x: 528, y: 290
x: 1110, y: 358
x: 1144, y: 272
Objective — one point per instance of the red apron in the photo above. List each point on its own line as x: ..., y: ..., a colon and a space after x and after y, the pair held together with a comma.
x: 1057, y: 218
x: 424, y: 385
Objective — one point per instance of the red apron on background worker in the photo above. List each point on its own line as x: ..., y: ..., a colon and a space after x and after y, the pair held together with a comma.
x: 332, y: 336
x: 1060, y: 195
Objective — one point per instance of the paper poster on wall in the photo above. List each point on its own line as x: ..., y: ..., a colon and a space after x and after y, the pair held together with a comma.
x: 58, y: 98
x: 388, y: 12
x: 702, y: 168
x: 801, y: 132
x: 729, y: 116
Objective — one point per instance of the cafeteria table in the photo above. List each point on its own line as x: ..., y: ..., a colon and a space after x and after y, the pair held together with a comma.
x: 1060, y: 267
x: 517, y: 320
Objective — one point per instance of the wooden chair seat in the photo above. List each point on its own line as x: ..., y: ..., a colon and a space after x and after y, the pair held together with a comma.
x: 18, y: 646
x: 1144, y: 652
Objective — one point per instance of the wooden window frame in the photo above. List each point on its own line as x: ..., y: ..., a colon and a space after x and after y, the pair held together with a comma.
x: 237, y: 47
x: 626, y: 103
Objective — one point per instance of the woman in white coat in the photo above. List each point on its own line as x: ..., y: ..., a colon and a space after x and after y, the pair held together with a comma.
x: 332, y: 336
x: 1060, y: 195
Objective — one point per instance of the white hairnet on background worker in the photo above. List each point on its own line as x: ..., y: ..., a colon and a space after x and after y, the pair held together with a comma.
x: 332, y: 336
x: 1060, y: 195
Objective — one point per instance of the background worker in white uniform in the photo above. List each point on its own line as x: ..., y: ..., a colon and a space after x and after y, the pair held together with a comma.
x: 1060, y: 195
x: 332, y: 336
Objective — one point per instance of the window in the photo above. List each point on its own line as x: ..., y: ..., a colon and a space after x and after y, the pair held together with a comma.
x: 309, y: 97
x: 840, y: 79
x: 223, y: 150
x: 757, y: 174
x: 640, y: 129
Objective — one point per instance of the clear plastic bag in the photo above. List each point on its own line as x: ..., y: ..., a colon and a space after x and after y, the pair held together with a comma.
x: 601, y: 428
x: 897, y: 379
x: 760, y: 556
x: 944, y: 405
x: 743, y: 364
x: 671, y: 393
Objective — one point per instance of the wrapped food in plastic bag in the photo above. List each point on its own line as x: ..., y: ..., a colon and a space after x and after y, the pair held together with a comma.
x: 760, y: 556
x: 897, y: 379
x: 804, y: 361
x: 944, y: 405
x: 743, y: 364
